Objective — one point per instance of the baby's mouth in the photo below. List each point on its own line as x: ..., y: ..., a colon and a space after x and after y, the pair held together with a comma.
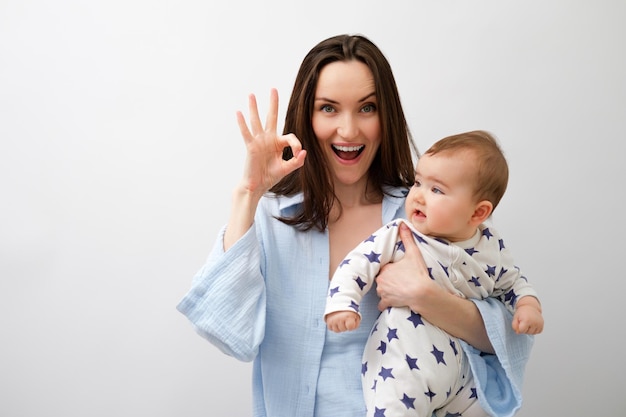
x: 348, y: 152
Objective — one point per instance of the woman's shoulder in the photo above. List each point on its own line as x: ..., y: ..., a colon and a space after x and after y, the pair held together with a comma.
x: 393, y: 202
x: 275, y: 204
x: 393, y: 193
x: 272, y: 207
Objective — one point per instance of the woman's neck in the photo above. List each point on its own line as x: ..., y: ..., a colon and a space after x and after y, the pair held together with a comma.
x: 356, y: 195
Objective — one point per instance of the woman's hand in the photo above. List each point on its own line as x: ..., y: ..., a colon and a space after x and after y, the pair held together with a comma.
x: 407, y: 283
x: 264, y: 165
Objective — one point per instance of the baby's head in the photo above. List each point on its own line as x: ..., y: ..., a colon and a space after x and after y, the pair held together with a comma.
x: 490, y: 173
x: 458, y: 183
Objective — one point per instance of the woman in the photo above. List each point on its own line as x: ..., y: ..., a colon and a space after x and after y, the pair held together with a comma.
x: 341, y: 170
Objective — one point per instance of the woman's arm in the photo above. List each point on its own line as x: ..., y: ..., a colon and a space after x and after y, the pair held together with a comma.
x: 263, y: 168
x: 407, y: 283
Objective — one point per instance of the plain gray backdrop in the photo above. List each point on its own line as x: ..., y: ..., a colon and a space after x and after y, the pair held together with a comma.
x: 119, y: 147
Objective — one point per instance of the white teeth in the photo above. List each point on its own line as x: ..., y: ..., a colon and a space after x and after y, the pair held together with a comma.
x: 348, y: 148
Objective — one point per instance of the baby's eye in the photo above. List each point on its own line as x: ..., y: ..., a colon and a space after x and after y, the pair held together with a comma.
x: 327, y: 108
x: 437, y: 190
x: 368, y: 108
x: 417, y: 183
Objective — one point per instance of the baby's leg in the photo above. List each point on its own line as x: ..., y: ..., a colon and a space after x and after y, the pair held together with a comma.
x: 409, y: 367
x: 465, y: 402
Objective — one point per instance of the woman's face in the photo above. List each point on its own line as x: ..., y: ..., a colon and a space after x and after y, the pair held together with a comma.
x: 345, y: 119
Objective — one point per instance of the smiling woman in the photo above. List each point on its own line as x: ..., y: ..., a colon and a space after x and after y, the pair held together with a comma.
x: 294, y: 217
x: 119, y: 151
x: 346, y: 122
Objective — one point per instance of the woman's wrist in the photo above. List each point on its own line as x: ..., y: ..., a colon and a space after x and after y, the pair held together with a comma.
x: 243, y: 208
x: 456, y: 315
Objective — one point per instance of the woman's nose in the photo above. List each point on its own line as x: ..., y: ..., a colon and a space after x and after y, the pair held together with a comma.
x: 348, y: 127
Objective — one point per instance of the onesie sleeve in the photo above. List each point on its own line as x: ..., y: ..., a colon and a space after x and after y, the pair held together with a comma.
x: 510, y: 283
x: 355, y: 275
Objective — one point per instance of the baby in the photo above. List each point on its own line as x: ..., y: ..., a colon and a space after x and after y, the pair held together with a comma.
x: 410, y: 367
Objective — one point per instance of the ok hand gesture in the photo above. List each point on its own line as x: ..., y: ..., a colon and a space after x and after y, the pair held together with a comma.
x: 264, y: 165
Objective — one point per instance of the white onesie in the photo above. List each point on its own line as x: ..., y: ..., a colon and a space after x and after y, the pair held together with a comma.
x: 410, y: 367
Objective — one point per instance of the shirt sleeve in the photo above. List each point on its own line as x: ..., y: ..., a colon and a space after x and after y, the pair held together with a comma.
x: 226, y: 302
x: 499, y: 377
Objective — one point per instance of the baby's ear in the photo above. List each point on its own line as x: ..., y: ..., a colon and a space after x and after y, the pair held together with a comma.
x: 481, y: 212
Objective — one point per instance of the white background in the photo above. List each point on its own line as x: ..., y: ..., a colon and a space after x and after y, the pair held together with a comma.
x: 119, y: 148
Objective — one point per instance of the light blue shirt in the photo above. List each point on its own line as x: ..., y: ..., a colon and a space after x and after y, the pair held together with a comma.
x: 264, y: 300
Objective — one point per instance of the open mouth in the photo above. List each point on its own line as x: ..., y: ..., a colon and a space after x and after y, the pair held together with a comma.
x: 348, y: 152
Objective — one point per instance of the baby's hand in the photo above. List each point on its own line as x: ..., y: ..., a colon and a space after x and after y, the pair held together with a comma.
x: 528, y: 319
x: 341, y: 321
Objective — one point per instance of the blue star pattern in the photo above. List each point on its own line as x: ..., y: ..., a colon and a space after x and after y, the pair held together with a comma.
x: 415, y: 318
x: 401, y: 338
x: 360, y: 283
x: 408, y: 402
x: 344, y: 262
x: 385, y: 373
x: 373, y: 257
x: 474, y: 280
x: 334, y: 291
x: 412, y: 362
x: 491, y: 270
x: 438, y: 355
x: 453, y: 346
x: 430, y: 395
x: 444, y: 268
x: 471, y: 251
x: 374, y: 328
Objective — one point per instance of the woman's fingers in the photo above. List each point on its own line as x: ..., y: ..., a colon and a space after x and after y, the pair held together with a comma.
x: 243, y: 127
x: 410, y: 247
x: 255, y: 120
x: 272, y: 113
x: 256, y: 127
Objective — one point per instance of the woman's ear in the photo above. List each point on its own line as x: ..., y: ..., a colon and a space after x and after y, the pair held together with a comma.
x: 481, y: 212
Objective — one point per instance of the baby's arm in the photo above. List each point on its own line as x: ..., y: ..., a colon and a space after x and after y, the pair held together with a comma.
x: 528, y: 318
x: 355, y: 276
x: 341, y: 321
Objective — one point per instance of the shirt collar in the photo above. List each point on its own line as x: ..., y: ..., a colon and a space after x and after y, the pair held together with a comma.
x: 393, y: 198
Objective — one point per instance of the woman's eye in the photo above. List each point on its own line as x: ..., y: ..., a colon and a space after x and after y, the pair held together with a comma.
x: 368, y: 108
x: 326, y: 108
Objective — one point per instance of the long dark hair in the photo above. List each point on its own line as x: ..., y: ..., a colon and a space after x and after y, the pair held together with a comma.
x: 393, y: 164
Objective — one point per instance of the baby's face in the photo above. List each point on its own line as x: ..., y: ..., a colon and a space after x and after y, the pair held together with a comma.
x: 441, y: 202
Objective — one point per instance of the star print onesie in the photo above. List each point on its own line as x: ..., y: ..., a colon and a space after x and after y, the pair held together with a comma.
x: 409, y: 366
